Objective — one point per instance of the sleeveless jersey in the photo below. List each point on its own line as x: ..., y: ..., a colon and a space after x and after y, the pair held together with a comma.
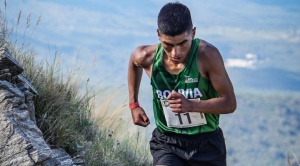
x: 188, y: 82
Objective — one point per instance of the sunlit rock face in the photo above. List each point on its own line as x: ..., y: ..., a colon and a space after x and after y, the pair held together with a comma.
x: 21, y: 141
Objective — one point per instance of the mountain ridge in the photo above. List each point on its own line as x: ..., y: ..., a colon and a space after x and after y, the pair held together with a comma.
x: 265, y: 79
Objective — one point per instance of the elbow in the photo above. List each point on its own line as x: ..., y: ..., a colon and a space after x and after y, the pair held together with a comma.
x: 231, y: 107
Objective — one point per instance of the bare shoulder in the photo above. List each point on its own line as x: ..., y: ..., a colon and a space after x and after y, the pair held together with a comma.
x: 209, y: 58
x: 207, y: 50
x: 143, y: 55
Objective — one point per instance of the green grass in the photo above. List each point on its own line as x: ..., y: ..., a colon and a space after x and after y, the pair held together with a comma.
x: 66, y: 112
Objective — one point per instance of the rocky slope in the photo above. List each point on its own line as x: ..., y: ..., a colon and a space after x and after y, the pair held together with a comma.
x: 21, y: 141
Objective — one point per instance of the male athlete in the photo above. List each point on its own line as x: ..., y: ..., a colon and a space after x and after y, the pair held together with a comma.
x: 190, y: 89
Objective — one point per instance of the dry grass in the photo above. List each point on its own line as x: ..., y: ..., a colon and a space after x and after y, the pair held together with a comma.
x: 292, y: 161
x: 67, y: 111
x: 126, y: 141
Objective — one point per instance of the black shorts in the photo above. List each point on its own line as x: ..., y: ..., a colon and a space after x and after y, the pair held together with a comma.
x: 181, y: 150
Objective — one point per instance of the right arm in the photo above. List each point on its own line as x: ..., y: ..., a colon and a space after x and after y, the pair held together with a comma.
x: 140, y: 59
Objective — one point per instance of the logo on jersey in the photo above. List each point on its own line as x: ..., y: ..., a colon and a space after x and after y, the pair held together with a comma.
x: 190, y: 80
x: 187, y: 93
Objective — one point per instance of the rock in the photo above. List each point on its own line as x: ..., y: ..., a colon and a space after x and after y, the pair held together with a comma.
x: 59, y: 157
x: 21, y: 141
x: 8, y: 62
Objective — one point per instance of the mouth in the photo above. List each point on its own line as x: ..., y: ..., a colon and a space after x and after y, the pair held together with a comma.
x: 176, y: 58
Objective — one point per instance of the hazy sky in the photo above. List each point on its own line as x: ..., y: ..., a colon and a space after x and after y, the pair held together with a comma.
x: 100, y: 35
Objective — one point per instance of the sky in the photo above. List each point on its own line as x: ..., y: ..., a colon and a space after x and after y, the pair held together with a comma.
x: 99, y: 36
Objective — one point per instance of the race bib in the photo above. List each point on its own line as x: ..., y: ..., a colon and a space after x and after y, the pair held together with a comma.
x: 182, y: 120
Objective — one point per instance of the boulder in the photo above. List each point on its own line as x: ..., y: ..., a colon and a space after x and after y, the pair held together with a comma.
x: 21, y: 141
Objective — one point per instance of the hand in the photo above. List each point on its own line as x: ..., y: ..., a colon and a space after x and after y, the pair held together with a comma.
x: 178, y: 102
x: 139, y: 117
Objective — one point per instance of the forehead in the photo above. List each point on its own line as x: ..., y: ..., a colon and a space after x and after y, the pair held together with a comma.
x: 175, y: 39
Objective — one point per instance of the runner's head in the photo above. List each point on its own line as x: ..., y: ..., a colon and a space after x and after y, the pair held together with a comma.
x: 174, y: 19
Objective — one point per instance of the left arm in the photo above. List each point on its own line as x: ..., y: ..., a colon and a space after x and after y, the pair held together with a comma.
x: 212, y: 67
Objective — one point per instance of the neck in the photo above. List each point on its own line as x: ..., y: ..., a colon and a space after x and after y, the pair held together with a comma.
x: 171, y: 66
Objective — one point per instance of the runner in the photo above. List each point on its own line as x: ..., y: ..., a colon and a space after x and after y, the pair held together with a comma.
x: 191, y: 88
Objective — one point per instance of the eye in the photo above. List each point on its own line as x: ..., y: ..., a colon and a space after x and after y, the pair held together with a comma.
x: 182, y: 43
x: 168, y: 48
x: 169, y: 45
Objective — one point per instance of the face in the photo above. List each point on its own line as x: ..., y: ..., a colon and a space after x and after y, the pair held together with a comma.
x: 177, y: 48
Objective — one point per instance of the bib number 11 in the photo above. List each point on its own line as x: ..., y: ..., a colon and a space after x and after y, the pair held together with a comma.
x: 182, y: 120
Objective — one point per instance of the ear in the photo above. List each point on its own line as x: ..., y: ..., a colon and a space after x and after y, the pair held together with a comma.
x: 194, y: 32
x: 158, y: 33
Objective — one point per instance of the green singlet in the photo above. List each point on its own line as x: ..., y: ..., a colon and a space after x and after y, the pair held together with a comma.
x: 188, y: 82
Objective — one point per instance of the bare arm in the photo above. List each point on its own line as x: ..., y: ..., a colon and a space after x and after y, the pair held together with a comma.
x: 217, y: 74
x: 134, y: 79
x: 140, y: 59
x: 212, y: 67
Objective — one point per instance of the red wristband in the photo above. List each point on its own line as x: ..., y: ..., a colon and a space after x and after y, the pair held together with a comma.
x: 134, y: 105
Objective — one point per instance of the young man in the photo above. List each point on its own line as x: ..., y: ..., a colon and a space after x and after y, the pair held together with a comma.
x: 190, y: 89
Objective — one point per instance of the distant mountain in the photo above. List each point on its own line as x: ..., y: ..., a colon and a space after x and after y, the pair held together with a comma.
x: 266, y: 79
x: 264, y: 129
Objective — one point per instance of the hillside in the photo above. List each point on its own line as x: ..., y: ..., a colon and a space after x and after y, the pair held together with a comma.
x: 264, y: 128
x: 265, y: 79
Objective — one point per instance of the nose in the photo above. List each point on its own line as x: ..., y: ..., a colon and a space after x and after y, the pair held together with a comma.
x: 175, y: 51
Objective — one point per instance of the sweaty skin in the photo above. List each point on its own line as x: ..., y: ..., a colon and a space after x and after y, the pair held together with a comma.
x: 176, y: 49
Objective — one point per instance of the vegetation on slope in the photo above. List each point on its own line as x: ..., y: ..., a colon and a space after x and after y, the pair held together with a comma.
x: 64, y: 108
